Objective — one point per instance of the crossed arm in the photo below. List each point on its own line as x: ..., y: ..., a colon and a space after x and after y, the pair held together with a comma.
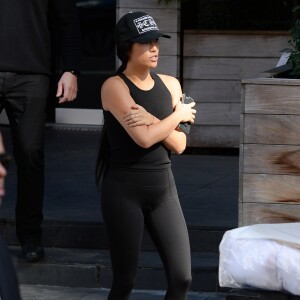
x: 145, y: 129
x: 138, y: 116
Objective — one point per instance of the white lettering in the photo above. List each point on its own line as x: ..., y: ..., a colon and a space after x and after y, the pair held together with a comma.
x: 145, y: 24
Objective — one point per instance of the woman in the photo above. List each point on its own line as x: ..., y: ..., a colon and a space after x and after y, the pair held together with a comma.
x: 142, y: 111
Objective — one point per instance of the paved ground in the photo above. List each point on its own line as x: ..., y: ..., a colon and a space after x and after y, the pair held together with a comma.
x: 59, y: 293
x: 207, y: 187
x: 207, y: 184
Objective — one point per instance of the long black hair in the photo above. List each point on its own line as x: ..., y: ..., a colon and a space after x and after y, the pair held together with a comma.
x: 123, y: 52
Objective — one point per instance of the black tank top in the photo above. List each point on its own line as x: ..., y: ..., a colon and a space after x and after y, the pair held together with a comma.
x: 124, y: 152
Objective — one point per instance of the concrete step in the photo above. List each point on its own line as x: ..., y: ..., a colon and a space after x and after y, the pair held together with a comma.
x: 43, y: 292
x: 91, y: 235
x: 92, y: 269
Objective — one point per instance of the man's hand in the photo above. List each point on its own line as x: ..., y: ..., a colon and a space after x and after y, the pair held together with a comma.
x: 67, y: 88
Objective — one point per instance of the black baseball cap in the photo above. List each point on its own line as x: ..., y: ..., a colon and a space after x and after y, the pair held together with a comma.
x: 137, y: 27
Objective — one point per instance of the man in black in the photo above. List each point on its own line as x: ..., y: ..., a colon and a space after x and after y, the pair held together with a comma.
x: 25, y: 69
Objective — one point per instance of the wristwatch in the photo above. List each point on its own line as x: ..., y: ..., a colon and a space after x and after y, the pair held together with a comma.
x: 74, y: 72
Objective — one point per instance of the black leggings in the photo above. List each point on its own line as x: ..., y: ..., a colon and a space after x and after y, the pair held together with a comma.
x: 130, y: 199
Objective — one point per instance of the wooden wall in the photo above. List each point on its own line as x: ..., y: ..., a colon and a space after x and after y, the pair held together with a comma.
x: 214, y: 64
x: 167, y: 19
x: 270, y: 152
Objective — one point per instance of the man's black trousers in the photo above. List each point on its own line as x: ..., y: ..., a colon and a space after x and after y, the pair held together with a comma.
x: 24, y: 97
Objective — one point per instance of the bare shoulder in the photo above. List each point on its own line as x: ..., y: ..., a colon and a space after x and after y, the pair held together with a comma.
x: 113, y: 82
x: 173, y: 85
x: 170, y: 81
x: 113, y: 89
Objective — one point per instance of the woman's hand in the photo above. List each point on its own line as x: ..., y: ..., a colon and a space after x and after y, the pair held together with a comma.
x: 186, y: 110
x: 138, y: 116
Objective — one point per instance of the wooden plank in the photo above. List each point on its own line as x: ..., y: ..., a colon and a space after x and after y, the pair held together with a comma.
x: 168, y: 65
x: 271, y: 81
x: 214, y: 136
x: 272, y: 129
x: 270, y: 166
x: 272, y: 99
x: 242, y: 118
x: 271, y: 159
x: 258, y: 213
x: 259, y: 188
x: 218, y: 114
x: 241, y: 169
x: 240, y: 214
x: 213, y: 90
x: 234, y: 45
x: 169, y: 46
x: 225, y: 68
x: 146, y: 4
x: 166, y: 19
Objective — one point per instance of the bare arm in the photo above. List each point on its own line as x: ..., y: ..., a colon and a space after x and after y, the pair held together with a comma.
x: 116, y: 99
x: 176, y: 141
x: 139, y: 116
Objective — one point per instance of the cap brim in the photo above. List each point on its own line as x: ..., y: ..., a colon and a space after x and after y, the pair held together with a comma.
x: 150, y: 36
